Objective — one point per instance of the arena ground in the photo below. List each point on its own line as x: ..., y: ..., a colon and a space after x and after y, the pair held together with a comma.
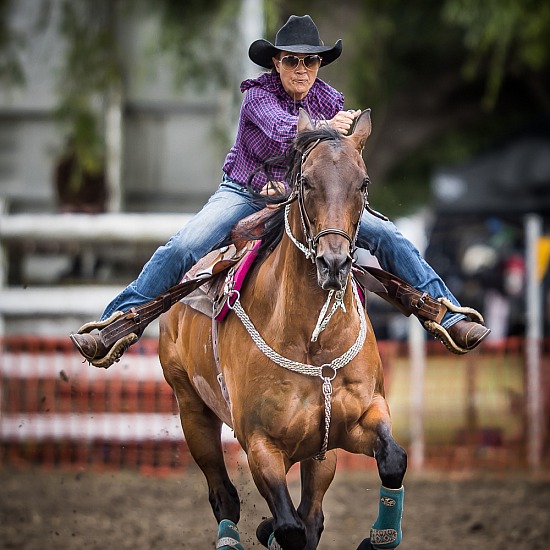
x: 84, y: 510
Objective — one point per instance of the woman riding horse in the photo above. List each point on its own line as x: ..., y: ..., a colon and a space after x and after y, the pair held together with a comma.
x: 267, y: 125
x: 298, y: 359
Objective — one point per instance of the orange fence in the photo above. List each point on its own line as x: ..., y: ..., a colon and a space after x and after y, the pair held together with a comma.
x: 57, y: 412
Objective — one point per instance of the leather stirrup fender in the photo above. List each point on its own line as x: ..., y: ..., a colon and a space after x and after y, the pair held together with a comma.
x: 400, y: 294
x: 114, y: 330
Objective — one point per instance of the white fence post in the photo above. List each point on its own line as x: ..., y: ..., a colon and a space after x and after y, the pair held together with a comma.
x: 3, y: 263
x: 533, y: 233
x: 417, y: 358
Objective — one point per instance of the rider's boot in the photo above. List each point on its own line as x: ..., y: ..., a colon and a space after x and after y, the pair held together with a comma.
x: 468, y: 334
x: 461, y: 337
x: 96, y: 350
x: 464, y: 335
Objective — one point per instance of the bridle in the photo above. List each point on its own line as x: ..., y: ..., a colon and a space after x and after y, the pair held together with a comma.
x: 312, y: 238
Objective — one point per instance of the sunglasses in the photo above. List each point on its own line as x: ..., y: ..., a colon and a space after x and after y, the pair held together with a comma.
x: 291, y: 62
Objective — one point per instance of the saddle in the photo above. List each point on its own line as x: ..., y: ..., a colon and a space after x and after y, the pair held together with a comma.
x: 215, y: 297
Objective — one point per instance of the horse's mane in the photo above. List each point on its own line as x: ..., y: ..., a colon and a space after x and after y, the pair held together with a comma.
x: 292, y: 159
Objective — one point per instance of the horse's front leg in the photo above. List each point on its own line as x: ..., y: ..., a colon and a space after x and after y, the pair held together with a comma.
x: 391, y: 460
x: 202, y: 429
x: 316, y: 477
x: 269, y: 466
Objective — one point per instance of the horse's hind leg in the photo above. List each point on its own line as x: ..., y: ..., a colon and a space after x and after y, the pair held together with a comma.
x: 202, y: 430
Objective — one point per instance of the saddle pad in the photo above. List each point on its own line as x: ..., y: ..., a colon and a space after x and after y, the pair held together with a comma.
x: 200, y: 301
x: 240, y: 275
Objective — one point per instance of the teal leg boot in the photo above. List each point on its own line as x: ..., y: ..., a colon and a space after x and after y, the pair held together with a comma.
x: 228, y: 536
x: 386, y: 531
x: 273, y: 544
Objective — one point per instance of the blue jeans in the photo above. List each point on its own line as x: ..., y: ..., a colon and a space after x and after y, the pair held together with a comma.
x: 399, y: 256
x: 230, y: 203
x: 205, y: 232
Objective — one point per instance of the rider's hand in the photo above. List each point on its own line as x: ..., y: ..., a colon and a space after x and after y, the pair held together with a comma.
x: 277, y: 188
x: 273, y: 188
x: 343, y: 120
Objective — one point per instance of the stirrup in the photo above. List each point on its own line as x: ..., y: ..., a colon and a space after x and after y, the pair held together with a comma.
x: 470, y: 312
x: 116, y: 351
x: 441, y: 333
x: 88, y: 327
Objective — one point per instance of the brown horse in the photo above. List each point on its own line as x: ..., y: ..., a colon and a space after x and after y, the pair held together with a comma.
x: 294, y: 397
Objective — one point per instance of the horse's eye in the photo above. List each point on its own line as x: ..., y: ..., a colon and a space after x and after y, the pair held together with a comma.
x: 305, y: 183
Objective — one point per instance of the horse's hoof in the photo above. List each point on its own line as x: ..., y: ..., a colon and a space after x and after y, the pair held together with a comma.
x: 264, y: 530
x: 365, y: 545
x: 289, y: 537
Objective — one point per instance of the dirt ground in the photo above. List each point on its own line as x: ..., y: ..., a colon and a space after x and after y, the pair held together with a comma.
x: 86, y: 510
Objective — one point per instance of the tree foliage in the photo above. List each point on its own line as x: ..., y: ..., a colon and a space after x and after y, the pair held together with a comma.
x: 90, y: 68
x: 200, y: 37
x: 11, y: 42
x: 445, y: 80
x: 510, y: 37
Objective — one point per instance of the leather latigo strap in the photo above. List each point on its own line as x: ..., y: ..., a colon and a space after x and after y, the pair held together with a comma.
x: 400, y: 294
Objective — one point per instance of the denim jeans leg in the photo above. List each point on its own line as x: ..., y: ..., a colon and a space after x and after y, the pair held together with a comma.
x: 399, y: 256
x: 204, y: 233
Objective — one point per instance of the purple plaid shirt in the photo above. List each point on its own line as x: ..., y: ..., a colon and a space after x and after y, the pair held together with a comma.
x: 267, y: 125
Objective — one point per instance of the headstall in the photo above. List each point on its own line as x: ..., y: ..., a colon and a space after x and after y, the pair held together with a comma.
x: 312, y: 238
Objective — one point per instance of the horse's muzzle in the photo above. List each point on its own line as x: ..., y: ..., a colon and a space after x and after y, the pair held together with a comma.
x: 332, y: 270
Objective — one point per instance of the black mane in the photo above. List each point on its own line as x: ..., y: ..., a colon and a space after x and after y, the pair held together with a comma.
x: 274, y: 225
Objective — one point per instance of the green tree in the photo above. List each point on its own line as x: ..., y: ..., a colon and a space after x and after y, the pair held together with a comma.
x: 444, y: 78
x: 504, y: 38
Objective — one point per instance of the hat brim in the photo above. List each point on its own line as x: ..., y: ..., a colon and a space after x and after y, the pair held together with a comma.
x: 261, y: 52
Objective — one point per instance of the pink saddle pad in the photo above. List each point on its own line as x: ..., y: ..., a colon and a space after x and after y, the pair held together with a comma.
x: 240, y: 275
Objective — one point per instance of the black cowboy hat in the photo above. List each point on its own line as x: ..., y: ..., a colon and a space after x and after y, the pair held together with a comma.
x: 297, y: 35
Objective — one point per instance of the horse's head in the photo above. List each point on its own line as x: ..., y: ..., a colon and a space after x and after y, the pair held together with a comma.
x: 331, y: 186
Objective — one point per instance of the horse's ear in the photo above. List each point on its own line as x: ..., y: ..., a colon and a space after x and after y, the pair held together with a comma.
x: 362, y: 130
x: 304, y: 121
